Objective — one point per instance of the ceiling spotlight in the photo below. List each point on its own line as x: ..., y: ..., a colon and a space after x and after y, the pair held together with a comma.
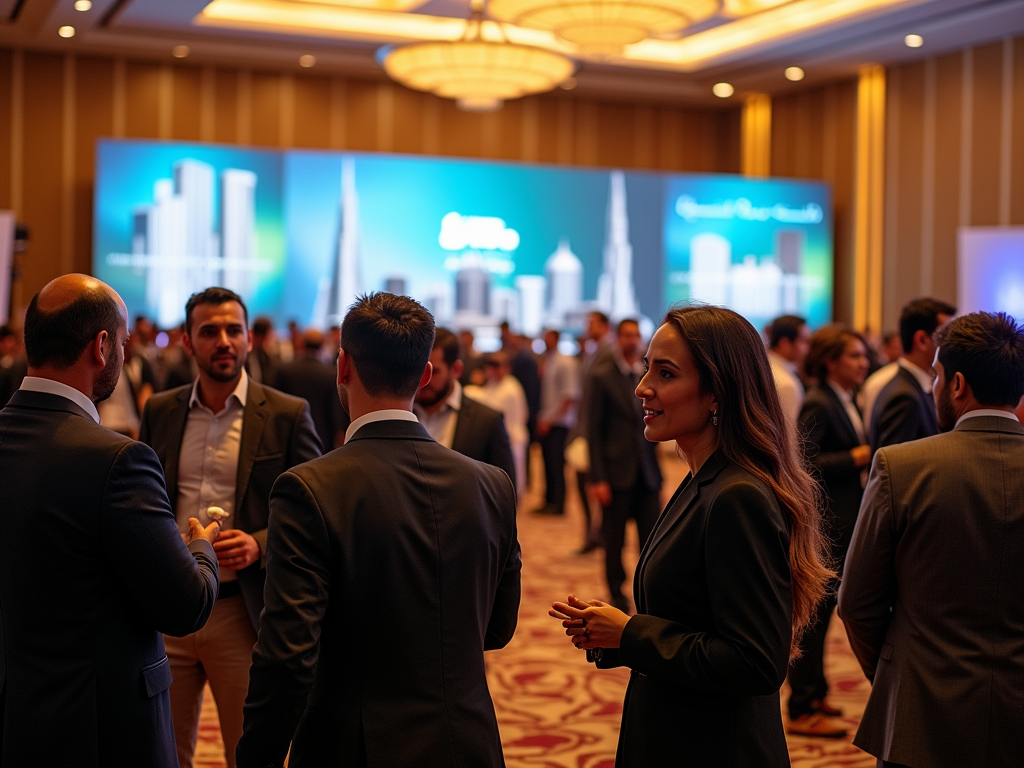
x: 180, y: 51
x: 794, y: 74
x: 66, y: 31
x: 308, y: 60
x: 568, y: 84
x: 913, y: 41
x: 83, y: 5
x: 723, y: 90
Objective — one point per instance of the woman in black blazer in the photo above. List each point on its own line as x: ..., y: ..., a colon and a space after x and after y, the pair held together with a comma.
x: 834, y: 441
x: 732, y: 572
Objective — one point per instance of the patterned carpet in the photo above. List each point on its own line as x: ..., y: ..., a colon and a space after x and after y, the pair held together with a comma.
x: 557, y: 711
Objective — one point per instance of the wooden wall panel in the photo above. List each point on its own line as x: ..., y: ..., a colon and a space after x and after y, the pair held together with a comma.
x: 986, y: 133
x: 312, y: 112
x: 409, y: 116
x: 225, y: 116
x: 266, y: 109
x: 360, y: 115
x: 547, y: 129
x: 906, y: 96
x: 503, y: 132
x: 142, y: 99
x: 6, y: 116
x: 1017, y: 137
x: 186, y: 103
x: 615, y: 129
x: 94, y: 119
x: 946, y: 217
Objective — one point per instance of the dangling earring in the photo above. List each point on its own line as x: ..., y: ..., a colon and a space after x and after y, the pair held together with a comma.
x: 714, y: 418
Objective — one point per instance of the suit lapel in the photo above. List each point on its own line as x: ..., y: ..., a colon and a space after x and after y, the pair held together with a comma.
x: 253, y: 422
x: 840, y: 416
x: 177, y: 418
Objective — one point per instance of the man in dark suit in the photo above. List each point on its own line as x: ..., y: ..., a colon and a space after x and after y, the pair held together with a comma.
x: 624, y: 468
x: 390, y: 521
x: 315, y: 382
x: 904, y: 410
x: 223, y: 440
x: 456, y: 421
x: 82, y: 666
x: 931, y: 596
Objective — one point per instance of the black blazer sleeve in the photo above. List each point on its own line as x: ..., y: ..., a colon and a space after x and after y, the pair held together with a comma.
x: 285, y: 657
x: 898, y: 422
x: 815, y: 427
x: 499, y: 449
x: 505, y: 610
x: 173, y: 585
x: 748, y: 579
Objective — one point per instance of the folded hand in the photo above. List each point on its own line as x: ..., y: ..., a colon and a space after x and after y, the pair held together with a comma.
x: 590, y: 624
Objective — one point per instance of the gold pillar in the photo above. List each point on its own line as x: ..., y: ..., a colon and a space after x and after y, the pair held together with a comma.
x: 757, y: 135
x: 869, y: 200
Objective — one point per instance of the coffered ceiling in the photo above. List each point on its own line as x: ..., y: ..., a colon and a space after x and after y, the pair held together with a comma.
x: 748, y: 43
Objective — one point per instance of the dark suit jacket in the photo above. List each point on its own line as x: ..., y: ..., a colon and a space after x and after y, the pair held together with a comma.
x: 828, y: 437
x: 277, y: 434
x: 480, y: 434
x: 317, y: 384
x: 933, y: 599
x: 393, y: 564
x: 92, y: 570
x: 619, y: 452
x: 709, y: 646
x: 902, y: 412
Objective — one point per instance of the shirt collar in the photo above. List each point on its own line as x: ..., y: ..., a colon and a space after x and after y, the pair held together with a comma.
x: 59, y: 388
x: 987, y: 412
x: 924, y: 378
x: 782, y: 362
x: 844, y: 396
x: 240, y: 392
x: 387, y: 414
x: 624, y: 367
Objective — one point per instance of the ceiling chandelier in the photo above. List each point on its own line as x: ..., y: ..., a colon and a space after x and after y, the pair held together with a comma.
x: 604, y: 27
x: 479, y: 74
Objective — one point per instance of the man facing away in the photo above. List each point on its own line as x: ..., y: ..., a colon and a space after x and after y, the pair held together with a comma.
x: 559, y: 393
x: 92, y: 568
x: 903, y: 409
x: 392, y: 565
x: 789, y: 339
x: 455, y: 420
x: 222, y: 441
x: 931, y: 595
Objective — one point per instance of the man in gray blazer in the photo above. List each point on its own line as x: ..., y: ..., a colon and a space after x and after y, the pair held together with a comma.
x: 392, y: 565
x: 933, y: 591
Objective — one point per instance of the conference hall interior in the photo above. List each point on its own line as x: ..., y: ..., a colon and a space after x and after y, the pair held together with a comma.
x: 546, y: 178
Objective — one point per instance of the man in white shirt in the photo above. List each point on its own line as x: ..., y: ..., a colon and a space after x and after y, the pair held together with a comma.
x: 504, y: 393
x: 788, y: 342
x: 931, y: 593
x: 559, y: 395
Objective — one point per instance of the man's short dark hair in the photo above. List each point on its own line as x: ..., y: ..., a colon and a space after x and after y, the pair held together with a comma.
x: 784, y: 327
x: 448, y: 342
x: 59, y: 338
x: 215, y: 296
x: 261, y: 326
x: 389, y: 339
x: 921, y: 315
x: 627, y: 321
x: 601, y: 317
x: 6, y: 331
x: 988, y: 350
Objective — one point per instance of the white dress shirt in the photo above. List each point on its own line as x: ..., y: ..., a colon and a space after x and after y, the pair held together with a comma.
x: 208, y: 461
x: 788, y: 384
x: 440, y: 424
x: 872, y: 388
x: 51, y: 387
x: 851, y: 411
x: 385, y: 414
x: 561, y: 382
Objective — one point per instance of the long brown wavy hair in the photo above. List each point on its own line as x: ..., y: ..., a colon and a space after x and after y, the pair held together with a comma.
x: 754, y: 433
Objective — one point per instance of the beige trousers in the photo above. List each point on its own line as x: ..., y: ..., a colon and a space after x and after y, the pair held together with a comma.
x: 220, y: 652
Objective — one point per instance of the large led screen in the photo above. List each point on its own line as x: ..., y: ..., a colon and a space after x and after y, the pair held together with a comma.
x: 300, y: 233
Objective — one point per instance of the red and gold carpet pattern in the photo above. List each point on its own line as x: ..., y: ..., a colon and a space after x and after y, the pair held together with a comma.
x: 557, y: 711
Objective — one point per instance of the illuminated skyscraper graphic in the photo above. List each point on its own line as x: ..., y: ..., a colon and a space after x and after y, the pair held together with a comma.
x: 193, y: 184
x: 345, y: 282
x: 564, y: 272
x: 531, y: 290
x: 710, y: 261
x: 238, y: 229
x: 616, y: 294
x: 472, y: 288
x: 159, y: 232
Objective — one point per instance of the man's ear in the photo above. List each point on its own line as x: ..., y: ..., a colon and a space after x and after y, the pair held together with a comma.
x: 427, y: 373
x: 186, y: 343
x: 344, y: 367
x: 921, y: 339
x: 457, y: 368
x: 960, y: 388
x: 98, y: 348
x: 249, y: 348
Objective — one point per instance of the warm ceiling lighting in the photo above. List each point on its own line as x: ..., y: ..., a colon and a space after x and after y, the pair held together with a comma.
x: 794, y: 74
x: 307, y: 60
x: 180, y: 51
x: 723, y: 90
x: 83, y: 5
x: 66, y: 31
x: 913, y: 41
x: 604, y: 27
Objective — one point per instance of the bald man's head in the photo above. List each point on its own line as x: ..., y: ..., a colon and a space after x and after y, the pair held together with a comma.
x: 66, y: 315
x: 312, y: 340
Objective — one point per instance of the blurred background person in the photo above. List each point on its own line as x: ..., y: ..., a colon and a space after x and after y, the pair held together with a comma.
x: 262, y: 362
x: 835, y: 445
x: 788, y: 339
x: 13, y: 365
x: 558, y: 398
x: 472, y: 359
x: 316, y: 382
x: 503, y: 392
x: 122, y: 411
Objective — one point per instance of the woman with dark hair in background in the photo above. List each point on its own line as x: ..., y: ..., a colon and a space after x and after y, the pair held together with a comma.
x: 835, y: 444
x: 733, y: 570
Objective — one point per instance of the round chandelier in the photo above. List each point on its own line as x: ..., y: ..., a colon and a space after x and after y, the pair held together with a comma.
x: 479, y: 74
x: 604, y: 27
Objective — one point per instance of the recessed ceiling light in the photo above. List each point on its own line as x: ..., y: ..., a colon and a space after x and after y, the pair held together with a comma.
x: 66, y: 31
x: 180, y: 51
x: 913, y: 41
x: 83, y: 5
x: 568, y: 84
x: 723, y: 90
x: 308, y: 60
x: 794, y: 73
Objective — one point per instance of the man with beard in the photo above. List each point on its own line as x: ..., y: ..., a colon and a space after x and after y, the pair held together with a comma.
x: 223, y: 440
x: 456, y: 421
x: 931, y: 594
x: 92, y: 568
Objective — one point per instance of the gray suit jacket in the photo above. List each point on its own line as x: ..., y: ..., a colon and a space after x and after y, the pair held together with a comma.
x: 933, y: 599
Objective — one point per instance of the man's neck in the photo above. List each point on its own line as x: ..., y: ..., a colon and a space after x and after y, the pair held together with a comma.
x: 920, y: 359
x: 72, y: 377
x: 214, y: 394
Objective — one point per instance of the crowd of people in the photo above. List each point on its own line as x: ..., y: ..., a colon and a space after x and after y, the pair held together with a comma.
x: 206, y: 532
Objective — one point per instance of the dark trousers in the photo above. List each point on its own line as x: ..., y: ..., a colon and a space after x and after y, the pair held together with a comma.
x: 887, y: 764
x: 552, y: 447
x: 807, y: 674
x: 638, y: 502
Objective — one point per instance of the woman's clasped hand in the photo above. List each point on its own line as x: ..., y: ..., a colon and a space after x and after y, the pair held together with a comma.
x: 590, y: 624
